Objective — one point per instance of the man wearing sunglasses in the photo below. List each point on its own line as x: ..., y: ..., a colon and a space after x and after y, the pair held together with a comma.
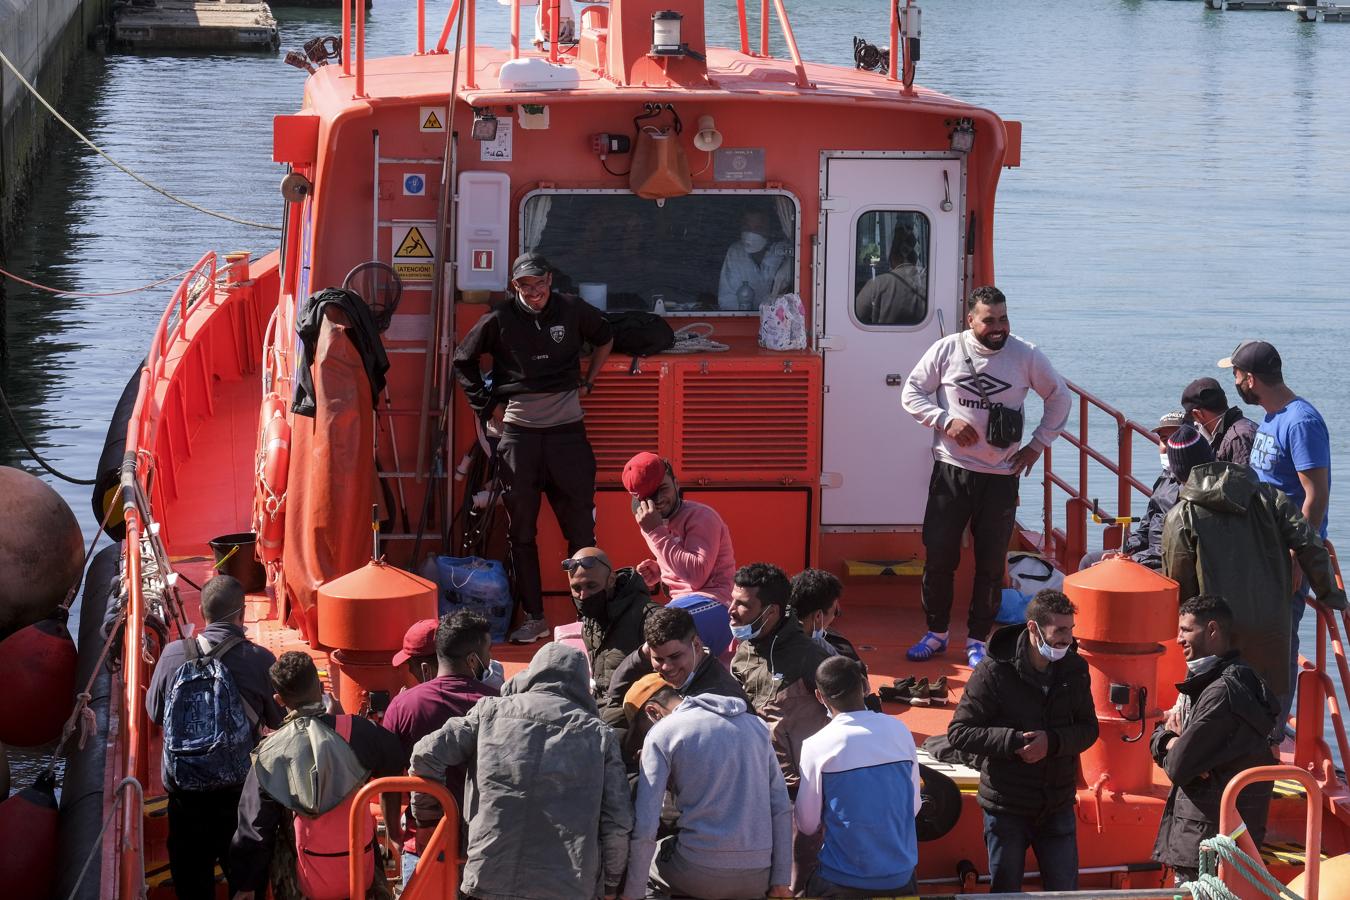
x: 536, y: 337
x: 612, y: 606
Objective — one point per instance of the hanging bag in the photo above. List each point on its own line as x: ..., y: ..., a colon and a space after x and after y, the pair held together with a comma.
x: 1004, y: 428
x: 660, y: 168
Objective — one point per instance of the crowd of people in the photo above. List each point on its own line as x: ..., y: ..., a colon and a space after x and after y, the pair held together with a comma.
x: 655, y: 758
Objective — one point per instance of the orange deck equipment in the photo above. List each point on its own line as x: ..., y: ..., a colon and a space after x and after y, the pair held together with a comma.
x: 364, y: 615
x: 1124, y: 611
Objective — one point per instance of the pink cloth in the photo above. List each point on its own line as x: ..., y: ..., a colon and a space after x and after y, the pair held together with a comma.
x: 693, y: 549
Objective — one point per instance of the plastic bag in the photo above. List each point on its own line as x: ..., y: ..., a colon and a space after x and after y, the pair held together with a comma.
x: 1031, y: 572
x: 782, y: 324
x: 477, y: 585
x: 1012, y: 607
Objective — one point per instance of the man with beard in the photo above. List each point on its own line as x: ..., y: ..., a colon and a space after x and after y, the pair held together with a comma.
x: 612, y: 606
x: 952, y: 390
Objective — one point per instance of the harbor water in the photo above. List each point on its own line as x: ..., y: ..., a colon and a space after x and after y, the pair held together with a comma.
x: 1185, y: 184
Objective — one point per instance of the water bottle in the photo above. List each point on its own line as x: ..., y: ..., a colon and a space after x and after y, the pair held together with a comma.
x: 659, y: 304
x: 745, y: 296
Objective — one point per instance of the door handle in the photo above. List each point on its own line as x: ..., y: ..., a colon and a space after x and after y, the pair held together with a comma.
x: 894, y: 380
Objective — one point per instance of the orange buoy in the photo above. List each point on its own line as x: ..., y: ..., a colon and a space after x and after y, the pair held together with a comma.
x: 29, y: 820
x: 274, y: 456
x: 37, y: 669
x: 41, y: 551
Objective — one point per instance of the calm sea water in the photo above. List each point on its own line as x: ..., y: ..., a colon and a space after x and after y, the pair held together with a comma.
x: 1185, y: 184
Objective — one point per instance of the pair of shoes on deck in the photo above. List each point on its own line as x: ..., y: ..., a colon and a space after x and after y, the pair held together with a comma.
x: 916, y: 692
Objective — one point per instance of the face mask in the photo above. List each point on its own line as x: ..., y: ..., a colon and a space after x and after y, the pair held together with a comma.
x: 688, y: 680
x: 1248, y: 395
x: 1204, y: 432
x: 494, y: 676
x: 1194, y: 665
x: 818, y: 635
x: 753, y: 242
x: 593, y: 607
x: 1054, y: 654
x: 747, y: 632
x: 1162, y: 459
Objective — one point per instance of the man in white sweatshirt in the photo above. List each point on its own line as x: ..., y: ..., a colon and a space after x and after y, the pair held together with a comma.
x: 974, y: 483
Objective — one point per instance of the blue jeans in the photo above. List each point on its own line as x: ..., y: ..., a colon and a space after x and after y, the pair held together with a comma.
x: 409, y: 861
x: 1297, y: 606
x: 1054, y: 839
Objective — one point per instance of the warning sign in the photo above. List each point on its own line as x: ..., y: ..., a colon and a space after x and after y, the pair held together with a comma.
x: 414, y: 256
x: 431, y: 118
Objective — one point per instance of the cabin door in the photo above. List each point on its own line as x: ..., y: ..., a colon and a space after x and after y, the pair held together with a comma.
x: 891, y: 287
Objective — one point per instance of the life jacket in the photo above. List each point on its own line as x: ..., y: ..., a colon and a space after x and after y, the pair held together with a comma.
x: 208, y: 731
x: 312, y: 770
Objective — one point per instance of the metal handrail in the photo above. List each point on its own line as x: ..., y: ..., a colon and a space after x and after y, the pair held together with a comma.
x: 1230, y: 821
x: 443, y: 843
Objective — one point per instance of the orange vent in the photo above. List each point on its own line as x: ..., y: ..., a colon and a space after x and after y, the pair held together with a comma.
x: 623, y: 418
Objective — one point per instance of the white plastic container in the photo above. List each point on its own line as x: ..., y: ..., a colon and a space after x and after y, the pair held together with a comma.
x: 536, y: 74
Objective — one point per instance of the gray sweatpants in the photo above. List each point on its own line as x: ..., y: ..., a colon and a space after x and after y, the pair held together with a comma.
x: 673, y: 875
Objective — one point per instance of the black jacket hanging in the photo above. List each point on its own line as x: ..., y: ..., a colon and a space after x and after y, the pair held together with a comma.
x: 362, y: 331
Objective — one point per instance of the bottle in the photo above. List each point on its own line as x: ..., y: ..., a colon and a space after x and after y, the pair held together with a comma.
x: 745, y: 296
x: 659, y: 304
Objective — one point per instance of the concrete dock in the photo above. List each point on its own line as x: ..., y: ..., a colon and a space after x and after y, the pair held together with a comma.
x: 188, y: 25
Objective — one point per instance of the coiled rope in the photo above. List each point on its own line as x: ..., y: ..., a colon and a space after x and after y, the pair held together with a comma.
x: 92, y: 146
x: 1222, y: 848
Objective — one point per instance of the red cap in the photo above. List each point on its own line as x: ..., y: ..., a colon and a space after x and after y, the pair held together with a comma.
x: 643, y: 474
x: 420, y: 640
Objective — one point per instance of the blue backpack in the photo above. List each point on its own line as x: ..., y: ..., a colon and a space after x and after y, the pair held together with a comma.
x: 208, y: 728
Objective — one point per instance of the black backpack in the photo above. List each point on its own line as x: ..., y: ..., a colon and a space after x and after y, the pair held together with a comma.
x: 638, y: 333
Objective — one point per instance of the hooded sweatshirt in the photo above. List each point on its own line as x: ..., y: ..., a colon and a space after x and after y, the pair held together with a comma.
x: 546, y: 799
x: 1231, y: 535
x: 714, y: 756
x: 942, y: 387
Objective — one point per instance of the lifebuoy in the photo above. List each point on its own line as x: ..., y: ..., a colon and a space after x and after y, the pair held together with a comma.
x: 274, y: 456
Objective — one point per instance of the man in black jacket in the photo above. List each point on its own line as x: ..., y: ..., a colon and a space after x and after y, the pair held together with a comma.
x: 535, y: 338
x: 1027, y: 710
x: 1225, y: 427
x: 612, y: 607
x: 1218, y: 728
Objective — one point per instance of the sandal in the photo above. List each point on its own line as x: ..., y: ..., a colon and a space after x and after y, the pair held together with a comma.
x: 929, y: 646
x: 975, y: 651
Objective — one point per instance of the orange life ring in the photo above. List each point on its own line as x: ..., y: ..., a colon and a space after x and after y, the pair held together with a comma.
x: 274, y: 454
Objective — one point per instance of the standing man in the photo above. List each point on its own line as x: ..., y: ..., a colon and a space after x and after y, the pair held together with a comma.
x: 535, y: 338
x: 860, y: 768
x: 1027, y: 710
x: 690, y: 542
x: 735, y: 820
x: 612, y: 607
x: 1228, y: 431
x: 955, y: 390
x: 1218, y: 730
x: 204, y: 799
x: 546, y: 797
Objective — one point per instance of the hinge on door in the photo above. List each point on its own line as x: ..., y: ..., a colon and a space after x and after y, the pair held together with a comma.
x: 830, y: 204
x: 829, y: 342
x: 831, y: 480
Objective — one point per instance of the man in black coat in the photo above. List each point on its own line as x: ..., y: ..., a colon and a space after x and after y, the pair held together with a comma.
x: 1027, y: 711
x: 1218, y: 728
x: 612, y: 605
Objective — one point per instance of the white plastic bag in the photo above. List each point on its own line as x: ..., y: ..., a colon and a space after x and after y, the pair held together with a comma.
x: 1031, y: 572
x: 782, y: 324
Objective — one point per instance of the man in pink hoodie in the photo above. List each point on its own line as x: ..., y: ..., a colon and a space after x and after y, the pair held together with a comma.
x: 689, y: 540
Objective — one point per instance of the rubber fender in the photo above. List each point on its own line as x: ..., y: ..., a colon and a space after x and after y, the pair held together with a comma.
x: 941, y: 805
x: 1333, y: 879
x: 109, y: 472
x: 37, y: 669
x: 29, y: 820
x: 41, y: 550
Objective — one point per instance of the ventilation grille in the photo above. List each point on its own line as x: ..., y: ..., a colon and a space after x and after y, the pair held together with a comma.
x: 623, y: 418
x: 749, y: 423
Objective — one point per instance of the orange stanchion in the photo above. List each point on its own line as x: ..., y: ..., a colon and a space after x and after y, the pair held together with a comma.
x: 1230, y: 821
x: 435, y: 875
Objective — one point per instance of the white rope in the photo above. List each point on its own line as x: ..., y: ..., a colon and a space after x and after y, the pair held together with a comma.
x: 692, y: 338
x: 92, y: 146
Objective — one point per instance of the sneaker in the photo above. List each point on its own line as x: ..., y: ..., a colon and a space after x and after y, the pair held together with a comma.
x: 532, y: 629
x: 974, y: 652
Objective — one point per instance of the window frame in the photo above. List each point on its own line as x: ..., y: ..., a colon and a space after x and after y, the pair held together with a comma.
x: 691, y: 314
x: 928, y: 273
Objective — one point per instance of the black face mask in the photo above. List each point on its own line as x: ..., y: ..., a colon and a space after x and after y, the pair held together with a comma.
x: 1248, y: 395
x: 593, y: 607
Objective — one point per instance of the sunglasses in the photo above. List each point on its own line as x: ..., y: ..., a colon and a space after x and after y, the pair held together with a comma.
x: 587, y: 563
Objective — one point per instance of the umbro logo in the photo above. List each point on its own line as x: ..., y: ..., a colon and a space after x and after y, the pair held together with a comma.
x: 974, y: 384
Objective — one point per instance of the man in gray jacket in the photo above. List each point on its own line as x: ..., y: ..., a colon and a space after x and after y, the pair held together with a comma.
x: 546, y: 797
x: 735, y: 826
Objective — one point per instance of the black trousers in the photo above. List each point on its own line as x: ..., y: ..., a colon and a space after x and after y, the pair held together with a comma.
x: 201, y: 824
x: 536, y: 462
x: 988, y: 504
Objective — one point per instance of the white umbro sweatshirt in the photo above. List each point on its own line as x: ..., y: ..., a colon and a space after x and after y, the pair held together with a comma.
x: 942, y: 387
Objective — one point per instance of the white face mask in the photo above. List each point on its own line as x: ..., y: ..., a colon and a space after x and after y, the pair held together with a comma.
x: 1054, y: 654
x: 1204, y: 432
x: 753, y: 242
x: 1162, y: 457
x: 1194, y: 664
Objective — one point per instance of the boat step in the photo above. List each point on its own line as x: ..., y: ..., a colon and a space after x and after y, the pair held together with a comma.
x: 1287, y: 788
x: 1285, y: 853
x: 867, y: 568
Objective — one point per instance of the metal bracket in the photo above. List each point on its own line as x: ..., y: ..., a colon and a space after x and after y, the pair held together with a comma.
x: 829, y: 342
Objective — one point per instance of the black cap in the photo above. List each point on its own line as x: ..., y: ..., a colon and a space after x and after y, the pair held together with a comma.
x: 1204, y: 393
x: 530, y: 264
x: 1256, y: 357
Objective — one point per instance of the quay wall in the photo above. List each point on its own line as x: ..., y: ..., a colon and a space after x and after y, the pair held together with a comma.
x: 43, y: 38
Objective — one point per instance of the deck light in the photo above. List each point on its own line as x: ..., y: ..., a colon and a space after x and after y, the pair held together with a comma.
x: 484, y: 125
x: 963, y: 136
x: 667, y: 26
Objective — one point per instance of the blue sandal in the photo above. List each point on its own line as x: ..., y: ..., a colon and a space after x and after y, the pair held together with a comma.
x: 929, y: 646
x: 975, y: 651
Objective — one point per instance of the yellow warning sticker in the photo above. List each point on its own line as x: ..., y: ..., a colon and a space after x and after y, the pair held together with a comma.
x: 413, y: 254
x: 431, y: 118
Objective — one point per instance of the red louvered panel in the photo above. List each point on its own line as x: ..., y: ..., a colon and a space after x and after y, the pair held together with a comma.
x: 623, y: 418
x: 747, y: 421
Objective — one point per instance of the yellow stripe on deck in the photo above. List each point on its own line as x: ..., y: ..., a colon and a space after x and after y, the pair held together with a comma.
x: 863, y: 568
x: 1287, y: 788
x: 1285, y: 853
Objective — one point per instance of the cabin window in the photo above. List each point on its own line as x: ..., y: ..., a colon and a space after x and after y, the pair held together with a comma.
x: 890, y: 282
x: 706, y: 253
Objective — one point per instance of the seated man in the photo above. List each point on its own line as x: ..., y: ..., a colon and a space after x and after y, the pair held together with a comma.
x: 612, y: 607
x: 755, y: 270
x: 416, y: 659
x: 546, y: 798
x: 815, y: 601
x: 735, y: 820
x: 898, y: 296
x: 690, y: 541
x: 347, y: 749
x: 463, y: 644
x: 860, y: 768
x: 1219, y: 729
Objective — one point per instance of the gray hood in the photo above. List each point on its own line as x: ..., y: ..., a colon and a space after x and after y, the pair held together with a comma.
x: 558, y: 669
x: 726, y: 707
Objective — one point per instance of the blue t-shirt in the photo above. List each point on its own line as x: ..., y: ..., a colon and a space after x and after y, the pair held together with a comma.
x: 1290, y: 441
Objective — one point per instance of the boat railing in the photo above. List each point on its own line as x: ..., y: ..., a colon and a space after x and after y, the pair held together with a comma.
x: 1244, y: 876
x: 1319, y: 698
x: 1067, y: 544
x: 438, y: 869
